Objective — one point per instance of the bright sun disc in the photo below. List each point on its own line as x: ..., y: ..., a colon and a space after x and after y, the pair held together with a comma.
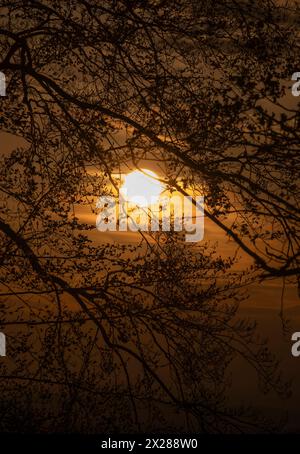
x: 141, y: 187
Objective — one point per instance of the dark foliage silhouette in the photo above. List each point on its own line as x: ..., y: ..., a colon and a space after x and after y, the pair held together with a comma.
x: 140, y: 337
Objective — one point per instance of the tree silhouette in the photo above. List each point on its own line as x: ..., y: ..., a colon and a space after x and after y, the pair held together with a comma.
x: 140, y: 331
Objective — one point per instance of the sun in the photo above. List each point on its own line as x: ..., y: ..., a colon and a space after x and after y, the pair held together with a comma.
x: 141, y: 187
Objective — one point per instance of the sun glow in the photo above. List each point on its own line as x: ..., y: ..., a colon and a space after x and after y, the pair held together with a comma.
x: 141, y: 187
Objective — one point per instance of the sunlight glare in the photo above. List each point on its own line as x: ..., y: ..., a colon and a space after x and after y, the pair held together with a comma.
x: 141, y: 183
